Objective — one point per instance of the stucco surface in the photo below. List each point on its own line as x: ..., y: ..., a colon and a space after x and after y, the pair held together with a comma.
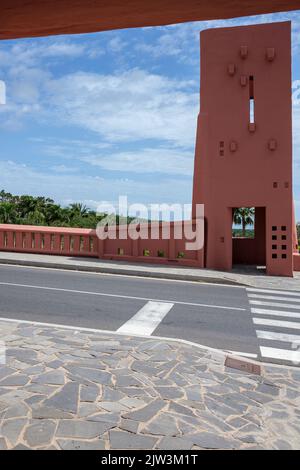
x: 26, y: 18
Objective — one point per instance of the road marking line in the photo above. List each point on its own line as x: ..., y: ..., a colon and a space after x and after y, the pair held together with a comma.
x: 272, y: 297
x: 274, y: 336
x: 223, y: 307
x: 271, y: 291
x: 284, y: 354
x: 274, y: 304
x: 276, y: 313
x: 277, y: 323
x: 147, y: 319
x: 243, y: 354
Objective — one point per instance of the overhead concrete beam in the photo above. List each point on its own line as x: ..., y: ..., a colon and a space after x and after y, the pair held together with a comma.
x: 29, y: 18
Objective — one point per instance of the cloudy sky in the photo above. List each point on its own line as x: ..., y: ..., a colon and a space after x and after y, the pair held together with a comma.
x: 89, y: 117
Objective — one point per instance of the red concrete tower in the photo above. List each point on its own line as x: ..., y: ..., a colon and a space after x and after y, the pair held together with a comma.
x: 244, y: 144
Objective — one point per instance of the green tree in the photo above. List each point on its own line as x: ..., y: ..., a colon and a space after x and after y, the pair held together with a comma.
x: 5, y: 197
x: 8, y: 214
x: 79, y: 209
x: 30, y: 210
x: 244, y: 216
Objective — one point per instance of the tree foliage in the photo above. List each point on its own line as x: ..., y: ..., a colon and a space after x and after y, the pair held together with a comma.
x: 29, y: 210
x: 244, y: 216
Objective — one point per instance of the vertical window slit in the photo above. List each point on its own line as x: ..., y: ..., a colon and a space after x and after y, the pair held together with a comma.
x: 251, y: 100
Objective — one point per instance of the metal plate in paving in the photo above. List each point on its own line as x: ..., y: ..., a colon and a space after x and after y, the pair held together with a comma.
x: 243, y: 365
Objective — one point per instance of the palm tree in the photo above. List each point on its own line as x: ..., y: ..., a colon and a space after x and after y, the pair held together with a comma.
x: 52, y: 212
x: 5, y: 197
x: 26, y: 205
x: 31, y: 210
x: 244, y: 216
x: 8, y: 213
x: 77, y: 208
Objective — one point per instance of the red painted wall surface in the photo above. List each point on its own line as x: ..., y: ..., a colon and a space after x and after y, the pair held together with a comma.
x: 246, y: 251
x: 25, y: 18
x: 238, y: 164
x: 84, y: 242
x: 297, y: 262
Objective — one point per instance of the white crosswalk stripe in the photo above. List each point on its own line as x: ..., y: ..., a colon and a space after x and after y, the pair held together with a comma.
x: 271, y: 297
x: 267, y: 306
x: 271, y: 291
x: 147, y: 319
x: 283, y: 354
x: 272, y: 335
x: 274, y: 304
x: 276, y: 323
x: 276, y: 313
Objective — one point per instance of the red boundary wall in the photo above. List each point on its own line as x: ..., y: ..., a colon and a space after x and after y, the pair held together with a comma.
x: 296, y: 261
x: 84, y: 242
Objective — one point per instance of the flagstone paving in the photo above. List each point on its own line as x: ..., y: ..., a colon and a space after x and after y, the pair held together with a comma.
x: 66, y: 389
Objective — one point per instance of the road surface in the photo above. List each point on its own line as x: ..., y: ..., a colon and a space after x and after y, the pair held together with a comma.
x: 258, y: 323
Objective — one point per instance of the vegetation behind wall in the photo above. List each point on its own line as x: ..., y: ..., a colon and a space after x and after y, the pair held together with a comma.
x: 29, y: 210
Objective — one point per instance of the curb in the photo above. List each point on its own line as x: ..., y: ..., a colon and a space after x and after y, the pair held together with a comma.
x: 127, y: 272
x: 216, y: 353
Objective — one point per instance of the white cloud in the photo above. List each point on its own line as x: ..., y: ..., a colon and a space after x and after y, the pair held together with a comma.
x: 296, y: 150
x: 297, y: 209
x: 156, y: 160
x: 33, y: 52
x: 131, y: 106
x: 62, y: 49
x: 183, y: 40
x: 2, y: 93
x: 169, y: 43
x: 25, y: 85
x: 64, y: 169
x: 13, y: 115
x: 117, y: 44
x: 296, y: 125
x: 296, y: 154
x: 164, y: 160
x: 68, y: 187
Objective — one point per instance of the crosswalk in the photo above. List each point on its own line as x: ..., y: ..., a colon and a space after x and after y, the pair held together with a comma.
x: 147, y: 319
x: 276, y: 318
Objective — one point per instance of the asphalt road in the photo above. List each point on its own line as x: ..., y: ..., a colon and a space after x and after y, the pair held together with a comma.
x: 213, y: 315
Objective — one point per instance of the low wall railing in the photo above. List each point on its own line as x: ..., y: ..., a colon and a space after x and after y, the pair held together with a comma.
x: 296, y: 261
x: 85, y: 242
x: 48, y: 240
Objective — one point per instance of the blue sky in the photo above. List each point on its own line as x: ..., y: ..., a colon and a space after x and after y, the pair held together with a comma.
x: 89, y: 117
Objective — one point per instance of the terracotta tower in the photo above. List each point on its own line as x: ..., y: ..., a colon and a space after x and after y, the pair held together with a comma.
x: 244, y: 145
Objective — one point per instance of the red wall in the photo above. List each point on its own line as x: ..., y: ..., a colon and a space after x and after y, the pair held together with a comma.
x: 296, y: 261
x: 84, y: 242
x: 237, y: 165
x: 247, y: 251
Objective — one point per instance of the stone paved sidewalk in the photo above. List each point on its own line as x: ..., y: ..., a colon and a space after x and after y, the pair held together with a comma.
x: 66, y: 389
